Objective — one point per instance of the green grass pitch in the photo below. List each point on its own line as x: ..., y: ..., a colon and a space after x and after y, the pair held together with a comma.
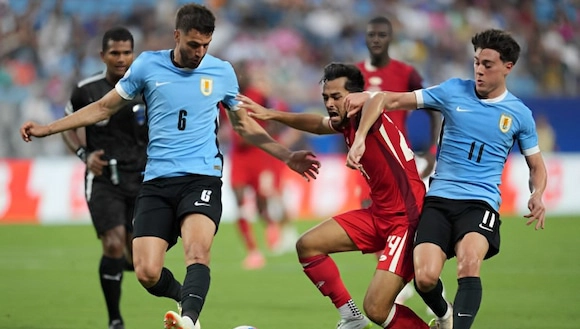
x: 48, y: 280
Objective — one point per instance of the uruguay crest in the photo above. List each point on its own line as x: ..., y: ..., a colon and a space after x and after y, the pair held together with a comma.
x: 206, y: 86
x: 505, y: 123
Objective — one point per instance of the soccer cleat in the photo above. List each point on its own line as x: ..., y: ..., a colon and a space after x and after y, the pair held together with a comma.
x: 172, y: 320
x: 255, y: 260
x: 116, y: 324
x: 446, y: 322
x: 360, y: 322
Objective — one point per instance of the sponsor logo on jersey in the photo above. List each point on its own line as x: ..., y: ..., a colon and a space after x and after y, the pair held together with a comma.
x: 206, y: 86
x: 505, y: 123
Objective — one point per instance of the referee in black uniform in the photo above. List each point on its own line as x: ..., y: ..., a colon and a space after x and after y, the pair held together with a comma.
x: 114, y: 151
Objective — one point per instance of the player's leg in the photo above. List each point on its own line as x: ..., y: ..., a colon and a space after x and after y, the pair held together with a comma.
x: 154, y: 232
x: 380, y: 307
x: 479, y: 228
x: 266, y: 191
x: 108, y: 215
x: 254, y: 258
x: 200, y: 211
x: 470, y: 253
x: 242, y: 175
x: 432, y: 243
x: 338, y: 234
x: 394, y: 270
x: 276, y: 207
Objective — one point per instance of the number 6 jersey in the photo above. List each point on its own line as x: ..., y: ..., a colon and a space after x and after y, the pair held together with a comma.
x: 182, y: 105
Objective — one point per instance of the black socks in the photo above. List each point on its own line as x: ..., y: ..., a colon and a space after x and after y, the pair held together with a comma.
x: 167, y: 286
x: 194, y: 291
x: 111, y: 275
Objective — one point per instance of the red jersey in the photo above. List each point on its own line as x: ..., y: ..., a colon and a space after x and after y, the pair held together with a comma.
x: 395, y: 185
x: 238, y: 143
x: 395, y: 76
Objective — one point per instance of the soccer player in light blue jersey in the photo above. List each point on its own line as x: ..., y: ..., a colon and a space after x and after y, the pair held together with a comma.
x: 482, y: 121
x: 181, y: 193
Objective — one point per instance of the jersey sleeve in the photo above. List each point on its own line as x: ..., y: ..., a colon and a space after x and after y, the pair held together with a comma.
x: 232, y: 89
x: 435, y: 97
x: 132, y: 83
x: 76, y: 101
x: 415, y: 80
x: 528, y: 137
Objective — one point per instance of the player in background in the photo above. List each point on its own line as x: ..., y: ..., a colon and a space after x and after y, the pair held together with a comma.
x: 389, y: 223
x: 181, y: 192
x: 114, y: 151
x: 482, y: 121
x: 382, y: 72
x: 251, y: 169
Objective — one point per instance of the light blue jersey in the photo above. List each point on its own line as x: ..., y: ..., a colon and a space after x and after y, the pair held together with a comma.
x: 182, y: 111
x: 476, y: 138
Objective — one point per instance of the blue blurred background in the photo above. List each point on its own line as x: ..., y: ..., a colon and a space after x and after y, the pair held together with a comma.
x: 47, y: 46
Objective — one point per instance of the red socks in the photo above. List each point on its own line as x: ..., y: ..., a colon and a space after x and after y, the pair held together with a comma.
x: 323, y: 272
x: 245, y: 228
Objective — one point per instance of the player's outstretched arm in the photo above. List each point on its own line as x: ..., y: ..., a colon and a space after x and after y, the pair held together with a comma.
x: 390, y: 101
x: 309, y: 122
x: 88, y: 115
x: 538, y: 181
x: 302, y: 162
x: 371, y: 111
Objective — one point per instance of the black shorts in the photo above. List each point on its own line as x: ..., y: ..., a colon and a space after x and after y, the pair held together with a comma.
x: 444, y: 222
x: 164, y: 202
x: 112, y: 205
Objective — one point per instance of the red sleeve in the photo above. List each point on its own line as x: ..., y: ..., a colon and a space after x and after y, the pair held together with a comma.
x: 415, y: 80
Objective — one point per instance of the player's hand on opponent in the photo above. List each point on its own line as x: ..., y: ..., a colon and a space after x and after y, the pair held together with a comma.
x: 354, y: 155
x: 32, y: 129
x: 537, y: 211
x: 354, y: 102
x: 304, y: 163
x: 254, y: 109
x: 95, y: 163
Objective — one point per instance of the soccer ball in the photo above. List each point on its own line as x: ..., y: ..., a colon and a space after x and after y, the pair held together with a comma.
x: 245, y: 327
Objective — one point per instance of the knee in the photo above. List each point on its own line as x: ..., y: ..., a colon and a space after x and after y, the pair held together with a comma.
x: 113, y: 246
x: 147, y: 275
x: 196, y: 254
x: 426, y: 280
x: 468, y: 266
x: 304, y: 247
x: 375, y: 312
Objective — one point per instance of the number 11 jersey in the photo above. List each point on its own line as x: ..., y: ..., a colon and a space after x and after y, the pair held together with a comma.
x: 476, y: 138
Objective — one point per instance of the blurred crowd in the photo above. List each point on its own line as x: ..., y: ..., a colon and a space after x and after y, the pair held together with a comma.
x: 46, y: 46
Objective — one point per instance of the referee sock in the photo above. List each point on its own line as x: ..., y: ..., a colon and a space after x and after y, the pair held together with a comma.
x: 434, y: 299
x: 111, y: 275
x: 467, y: 301
x: 194, y: 290
x: 167, y: 286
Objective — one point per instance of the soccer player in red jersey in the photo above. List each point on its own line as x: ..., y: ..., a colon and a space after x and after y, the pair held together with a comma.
x: 252, y: 169
x: 388, y: 225
x: 381, y: 72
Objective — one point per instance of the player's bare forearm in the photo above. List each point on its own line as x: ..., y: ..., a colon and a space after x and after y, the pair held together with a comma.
x: 86, y: 116
x: 354, y: 102
x: 370, y: 113
x: 308, y: 122
x: 398, y: 100
x: 538, y: 174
